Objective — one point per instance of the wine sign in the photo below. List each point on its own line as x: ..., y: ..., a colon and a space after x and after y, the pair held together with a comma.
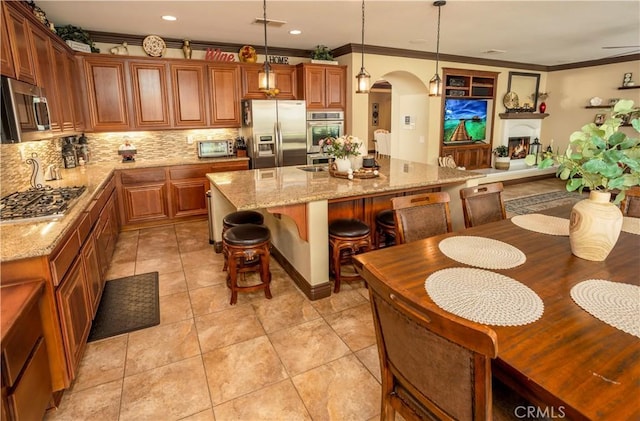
x: 218, y: 55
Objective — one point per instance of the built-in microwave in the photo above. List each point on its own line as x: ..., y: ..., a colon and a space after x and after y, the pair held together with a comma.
x: 25, y: 112
x: 215, y: 148
x: 323, y: 124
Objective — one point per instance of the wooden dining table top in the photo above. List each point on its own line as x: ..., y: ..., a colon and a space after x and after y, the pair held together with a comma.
x: 567, y: 361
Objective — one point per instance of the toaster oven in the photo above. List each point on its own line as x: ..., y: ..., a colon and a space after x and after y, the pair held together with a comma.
x: 215, y: 148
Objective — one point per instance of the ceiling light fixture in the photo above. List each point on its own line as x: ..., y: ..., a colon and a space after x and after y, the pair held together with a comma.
x: 266, y: 78
x: 435, y: 84
x: 363, y: 77
x: 169, y: 17
x: 295, y: 32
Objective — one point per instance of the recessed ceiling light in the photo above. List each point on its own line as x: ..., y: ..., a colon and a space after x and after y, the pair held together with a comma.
x: 169, y: 17
x: 295, y: 32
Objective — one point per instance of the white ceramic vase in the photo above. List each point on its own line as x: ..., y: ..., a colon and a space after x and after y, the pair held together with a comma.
x: 342, y: 164
x: 595, y: 227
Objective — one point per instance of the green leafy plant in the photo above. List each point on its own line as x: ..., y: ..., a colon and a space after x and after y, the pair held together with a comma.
x: 322, y: 52
x: 601, y: 157
x: 74, y: 33
x: 501, y: 151
x: 341, y: 147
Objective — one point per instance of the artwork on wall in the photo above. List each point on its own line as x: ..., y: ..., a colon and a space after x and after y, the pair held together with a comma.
x: 375, y: 113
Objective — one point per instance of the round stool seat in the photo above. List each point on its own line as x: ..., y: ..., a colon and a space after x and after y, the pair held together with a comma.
x: 385, y: 217
x: 242, y: 217
x: 246, y: 235
x: 348, y: 228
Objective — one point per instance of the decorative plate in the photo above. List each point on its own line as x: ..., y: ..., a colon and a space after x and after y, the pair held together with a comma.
x: 510, y: 100
x: 247, y: 54
x: 154, y: 46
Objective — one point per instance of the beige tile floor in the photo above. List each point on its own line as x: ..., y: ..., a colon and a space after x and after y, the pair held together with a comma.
x: 287, y: 358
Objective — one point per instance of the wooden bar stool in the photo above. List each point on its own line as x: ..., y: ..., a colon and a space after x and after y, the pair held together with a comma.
x: 347, y: 237
x: 247, y: 250
x: 385, y: 229
x: 235, y: 219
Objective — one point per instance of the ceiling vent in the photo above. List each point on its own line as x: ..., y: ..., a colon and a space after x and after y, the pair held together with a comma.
x: 270, y: 22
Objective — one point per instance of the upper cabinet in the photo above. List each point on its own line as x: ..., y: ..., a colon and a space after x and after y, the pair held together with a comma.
x: 6, y: 61
x: 224, y: 95
x: 150, y: 97
x: 20, y: 44
x: 286, y: 81
x: 188, y: 87
x: 322, y: 86
x: 106, y: 93
x: 63, y: 74
x: 469, y: 83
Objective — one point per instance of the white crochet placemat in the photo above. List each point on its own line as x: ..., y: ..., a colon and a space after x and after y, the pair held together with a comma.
x: 484, y: 297
x: 482, y: 252
x: 543, y: 224
x: 631, y: 225
x: 617, y: 304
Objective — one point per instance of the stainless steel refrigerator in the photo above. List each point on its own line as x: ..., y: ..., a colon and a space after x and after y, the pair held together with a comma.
x: 276, y: 132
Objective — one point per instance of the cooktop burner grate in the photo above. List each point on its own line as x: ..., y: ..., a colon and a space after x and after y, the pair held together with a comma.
x: 38, y: 203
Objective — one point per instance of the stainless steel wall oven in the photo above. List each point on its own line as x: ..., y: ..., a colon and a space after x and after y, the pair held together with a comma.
x: 322, y: 124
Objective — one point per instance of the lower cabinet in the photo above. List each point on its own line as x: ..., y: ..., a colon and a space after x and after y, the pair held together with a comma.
x: 472, y: 157
x: 93, y: 273
x: 188, y: 197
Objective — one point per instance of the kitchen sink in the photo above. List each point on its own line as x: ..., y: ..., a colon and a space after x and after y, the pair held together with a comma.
x: 313, y: 168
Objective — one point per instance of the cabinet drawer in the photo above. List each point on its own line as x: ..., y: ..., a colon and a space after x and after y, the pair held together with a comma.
x: 17, y: 348
x: 63, y: 259
x: 32, y: 394
x: 193, y: 171
x: 142, y: 176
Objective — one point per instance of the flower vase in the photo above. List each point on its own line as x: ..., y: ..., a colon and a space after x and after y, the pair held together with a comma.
x: 594, y: 227
x: 543, y: 107
x: 342, y: 164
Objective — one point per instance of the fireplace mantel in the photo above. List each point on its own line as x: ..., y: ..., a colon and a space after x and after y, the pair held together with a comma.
x: 523, y: 116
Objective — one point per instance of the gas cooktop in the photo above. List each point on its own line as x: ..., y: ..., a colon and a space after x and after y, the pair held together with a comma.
x: 38, y: 203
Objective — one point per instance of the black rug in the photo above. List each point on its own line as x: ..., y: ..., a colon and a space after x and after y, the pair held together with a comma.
x: 539, y: 202
x: 127, y: 304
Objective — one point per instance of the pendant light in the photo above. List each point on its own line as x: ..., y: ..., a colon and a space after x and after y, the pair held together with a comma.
x: 266, y: 78
x: 363, y: 77
x: 435, y: 84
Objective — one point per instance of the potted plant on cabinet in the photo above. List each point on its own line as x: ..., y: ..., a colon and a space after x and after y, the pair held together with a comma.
x: 502, y: 160
x: 602, y: 159
x: 322, y: 55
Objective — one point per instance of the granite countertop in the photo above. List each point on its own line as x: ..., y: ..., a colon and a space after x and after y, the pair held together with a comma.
x: 265, y: 188
x: 21, y: 240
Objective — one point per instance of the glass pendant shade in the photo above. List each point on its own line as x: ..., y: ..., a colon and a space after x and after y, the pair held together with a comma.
x: 266, y: 78
x: 435, y: 86
x: 364, y: 80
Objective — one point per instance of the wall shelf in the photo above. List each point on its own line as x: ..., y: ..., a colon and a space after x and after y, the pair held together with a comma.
x: 629, y: 87
x: 523, y: 116
x: 598, y: 106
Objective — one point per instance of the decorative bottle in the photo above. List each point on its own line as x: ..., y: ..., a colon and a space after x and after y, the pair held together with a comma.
x: 186, y: 48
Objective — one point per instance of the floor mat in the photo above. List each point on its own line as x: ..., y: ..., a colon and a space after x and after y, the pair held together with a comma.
x: 540, y: 202
x: 127, y: 304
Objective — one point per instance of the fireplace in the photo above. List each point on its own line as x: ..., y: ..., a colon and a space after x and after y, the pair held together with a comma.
x: 518, y: 146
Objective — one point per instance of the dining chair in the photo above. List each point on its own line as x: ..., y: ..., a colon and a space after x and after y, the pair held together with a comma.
x: 421, y: 215
x: 630, y: 205
x: 482, y: 204
x: 381, y: 138
x: 435, y: 365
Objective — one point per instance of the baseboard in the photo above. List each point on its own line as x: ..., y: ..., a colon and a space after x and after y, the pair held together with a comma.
x: 313, y: 292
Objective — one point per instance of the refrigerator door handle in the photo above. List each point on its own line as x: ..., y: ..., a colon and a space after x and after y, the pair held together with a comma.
x: 280, y: 152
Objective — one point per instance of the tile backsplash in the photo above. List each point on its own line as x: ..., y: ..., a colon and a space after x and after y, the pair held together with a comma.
x: 15, y: 173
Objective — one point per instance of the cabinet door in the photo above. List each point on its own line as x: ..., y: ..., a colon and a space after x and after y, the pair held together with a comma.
x: 65, y: 86
x: 150, y: 98
x: 92, y: 274
x: 20, y: 43
x: 46, y: 75
x: 224, y: 94
x: 106, y: 94
x: 78, y: 98
x: 314, y: 87
x: 286, y: 81
x: 189, y: 97
x: 188, y: 197
x: 335, y: 87
x: 6, y: 61
x: 145, y: 202
x: 73, y: 309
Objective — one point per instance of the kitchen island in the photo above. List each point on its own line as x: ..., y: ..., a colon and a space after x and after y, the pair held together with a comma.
x: 298, y: 206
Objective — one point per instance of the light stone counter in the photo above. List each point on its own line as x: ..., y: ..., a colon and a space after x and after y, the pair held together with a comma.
x: 21, y: 240
x: 295, y: 206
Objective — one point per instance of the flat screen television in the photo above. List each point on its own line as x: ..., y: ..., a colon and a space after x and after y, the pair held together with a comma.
x: 465, y: 120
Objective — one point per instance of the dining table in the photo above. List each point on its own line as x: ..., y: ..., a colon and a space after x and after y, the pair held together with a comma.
x: 567, y: 363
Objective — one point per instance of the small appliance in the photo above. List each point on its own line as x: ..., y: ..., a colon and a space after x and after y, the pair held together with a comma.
x: 25, y: 112
x: 215, y: 148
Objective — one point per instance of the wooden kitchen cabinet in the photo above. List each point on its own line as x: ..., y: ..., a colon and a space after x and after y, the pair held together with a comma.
x: 322, y: 86
x: 286, y: 81
x: 143, y: 194
x: 93, y: 274
x: 150, y: 96
x: 20, y: 42
x: 189, y: 101
x: 6, y: 61
x: 62, y: 69
x: 106, y: 93
x: 224, y: 95
x: 43, y: 58
x: 106, y: 234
